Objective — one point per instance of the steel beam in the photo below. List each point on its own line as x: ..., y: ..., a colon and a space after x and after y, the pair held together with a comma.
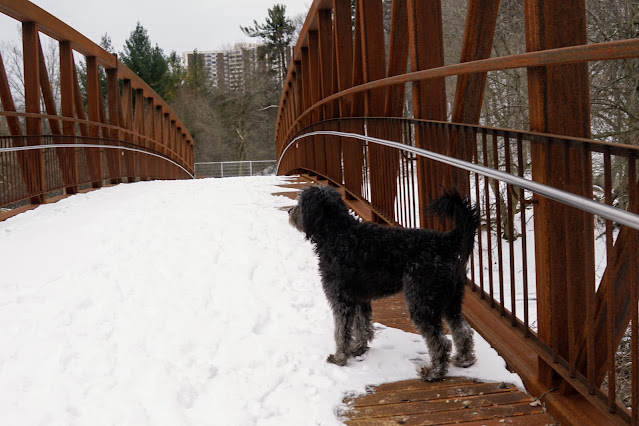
x: 556, y: 92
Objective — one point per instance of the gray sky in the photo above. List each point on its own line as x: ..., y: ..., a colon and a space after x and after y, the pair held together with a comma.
x: 181, y: 25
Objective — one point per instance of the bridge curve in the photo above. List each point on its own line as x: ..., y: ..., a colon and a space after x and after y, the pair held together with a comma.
x: 129, y: 133
x: 552, y: 286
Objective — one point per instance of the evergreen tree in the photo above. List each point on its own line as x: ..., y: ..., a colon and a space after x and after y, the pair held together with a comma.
x: 106, y: 44
x: 277, y: 32
x: 148, y: 62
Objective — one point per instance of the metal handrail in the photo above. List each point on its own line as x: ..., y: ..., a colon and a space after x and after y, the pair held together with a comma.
x: 69, y: 145
x: 608, y: 212
x: 99, y: 124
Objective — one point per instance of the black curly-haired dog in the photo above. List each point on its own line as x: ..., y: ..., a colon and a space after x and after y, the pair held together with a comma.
x: 360, y: 262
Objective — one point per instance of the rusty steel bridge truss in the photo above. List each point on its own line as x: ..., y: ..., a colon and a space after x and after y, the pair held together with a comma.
x: 125, y: 134
x: 552, y: 284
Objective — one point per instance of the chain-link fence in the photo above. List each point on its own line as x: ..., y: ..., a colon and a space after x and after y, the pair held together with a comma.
x: 220, y: 169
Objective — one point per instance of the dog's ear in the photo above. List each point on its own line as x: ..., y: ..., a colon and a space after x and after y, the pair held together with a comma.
x: 311, y: 203
x: 321, y: 208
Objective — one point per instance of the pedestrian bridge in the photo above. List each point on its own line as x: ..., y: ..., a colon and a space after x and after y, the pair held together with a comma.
x: 553, y: 278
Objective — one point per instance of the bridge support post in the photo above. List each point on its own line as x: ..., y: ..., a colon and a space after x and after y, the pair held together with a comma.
x: 113, y: 96
x: 94, y: 155
x: 479, y: 33
x: 34, y: 160
x: 565, y: 276
x: 426, y: 44
x: 68, y: 157
x: 353, y: 152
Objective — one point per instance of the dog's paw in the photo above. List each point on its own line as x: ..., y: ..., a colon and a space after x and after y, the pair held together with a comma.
x: 464, y: 360
x: 430, y: 374
x: 360, y: 351
x: 337, y: 360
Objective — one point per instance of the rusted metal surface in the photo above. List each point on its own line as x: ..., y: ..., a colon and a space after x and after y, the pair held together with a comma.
x: 568, y: 55
x: 553, y: 294
x: 497, y: 285
x: 554, y: 93
x: 33, y: 176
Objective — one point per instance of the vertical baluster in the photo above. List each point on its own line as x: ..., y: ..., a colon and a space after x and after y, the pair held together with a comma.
x: 584, y: 157
x: 610, y: 295
x: 480, y: 247
x: 511, y: 231
x: 411, y: 172
x: 500, y: 254
x: 589, y: 285
x: 489, y: 238
x: 524, y: 249
x: 408, y: 214
x: 555, y: 297
x: 571, y: 312
x: 633, y: 276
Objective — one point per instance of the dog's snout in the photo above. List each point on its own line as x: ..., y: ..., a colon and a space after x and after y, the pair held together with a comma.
x: 290, y: 211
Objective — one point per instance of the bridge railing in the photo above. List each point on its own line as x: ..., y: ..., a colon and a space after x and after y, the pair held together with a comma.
x: 598, y: 302
x: 125, y: 134
x: 220, y: 169
x: 578, y: 305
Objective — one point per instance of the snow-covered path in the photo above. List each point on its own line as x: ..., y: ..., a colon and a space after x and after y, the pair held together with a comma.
x: 178, y: 303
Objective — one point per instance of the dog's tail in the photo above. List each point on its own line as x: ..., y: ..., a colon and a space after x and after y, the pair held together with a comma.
x: 465, y: 216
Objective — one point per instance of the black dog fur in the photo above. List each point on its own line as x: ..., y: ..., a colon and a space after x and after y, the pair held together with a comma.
x: 360, y: 262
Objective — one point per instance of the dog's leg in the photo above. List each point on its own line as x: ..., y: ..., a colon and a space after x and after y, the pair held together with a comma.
x: 362, y: 329
x: 462, y: 335
x: 428, y: 320
x: 343, y: 315
x: 438, y: 350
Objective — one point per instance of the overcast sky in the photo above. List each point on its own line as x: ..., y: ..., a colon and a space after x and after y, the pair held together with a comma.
x: 181, y: 25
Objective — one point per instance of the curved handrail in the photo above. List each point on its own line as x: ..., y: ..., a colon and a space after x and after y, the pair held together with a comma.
x: 87, y: 145
x: 607, y: 212
x: 99, y: 124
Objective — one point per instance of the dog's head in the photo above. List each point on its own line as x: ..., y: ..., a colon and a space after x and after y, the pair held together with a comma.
x: 319, y: 209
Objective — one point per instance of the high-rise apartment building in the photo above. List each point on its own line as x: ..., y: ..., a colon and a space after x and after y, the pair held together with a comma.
x: 228, y: 68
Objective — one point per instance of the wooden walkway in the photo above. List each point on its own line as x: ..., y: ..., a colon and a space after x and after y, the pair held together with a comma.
x: 451, y: 401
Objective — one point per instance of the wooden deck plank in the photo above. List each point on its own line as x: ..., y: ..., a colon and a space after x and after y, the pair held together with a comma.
x: 514, y: 412
x: 415, y: 384
x: 445, y: 393
x: 452, y: 400
x: 526, y: 420
x: 438, y: 405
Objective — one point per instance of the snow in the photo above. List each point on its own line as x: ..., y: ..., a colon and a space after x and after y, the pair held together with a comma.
x: 179, y: 303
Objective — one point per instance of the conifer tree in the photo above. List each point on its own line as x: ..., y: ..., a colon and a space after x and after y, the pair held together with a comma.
x: 277, y: 32
x: 148, y: 62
